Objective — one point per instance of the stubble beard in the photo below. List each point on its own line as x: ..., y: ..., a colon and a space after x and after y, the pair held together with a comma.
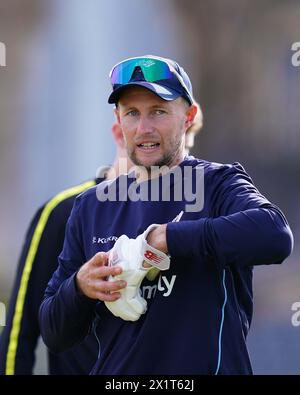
x: 168, y: 159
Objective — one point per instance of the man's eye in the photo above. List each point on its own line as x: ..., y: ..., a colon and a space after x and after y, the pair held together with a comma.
x: 159, y: 112
x: 132, y: 113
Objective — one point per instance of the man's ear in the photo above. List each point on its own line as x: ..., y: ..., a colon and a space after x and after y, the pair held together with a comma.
x: 190, y: 115
x: 118, y: 135
x: 117, y: 114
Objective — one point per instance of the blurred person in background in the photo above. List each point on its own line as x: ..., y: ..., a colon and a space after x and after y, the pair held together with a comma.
x: 37, y: 263
x: 38, y: 260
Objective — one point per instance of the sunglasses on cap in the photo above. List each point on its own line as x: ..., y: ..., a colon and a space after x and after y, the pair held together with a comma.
x: 153, y: 69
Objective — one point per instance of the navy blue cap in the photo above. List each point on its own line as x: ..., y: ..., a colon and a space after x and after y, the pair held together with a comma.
x: 167, y: 89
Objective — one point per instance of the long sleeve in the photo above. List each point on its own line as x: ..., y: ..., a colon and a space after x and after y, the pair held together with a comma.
x: 65, y: 315
x: 245, y: 229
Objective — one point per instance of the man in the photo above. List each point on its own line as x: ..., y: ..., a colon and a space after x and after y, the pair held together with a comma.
x: 38, y: 261
x: 35, y: 270
x: 194, y: 317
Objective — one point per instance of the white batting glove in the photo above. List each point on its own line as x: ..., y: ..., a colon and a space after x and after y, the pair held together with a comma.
x: 130, y: 255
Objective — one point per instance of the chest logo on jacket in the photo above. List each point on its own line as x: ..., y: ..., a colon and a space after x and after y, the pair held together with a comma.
x: 104, y: 240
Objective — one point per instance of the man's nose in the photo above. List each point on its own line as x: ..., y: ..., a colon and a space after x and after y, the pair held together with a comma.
x: 144, y: 125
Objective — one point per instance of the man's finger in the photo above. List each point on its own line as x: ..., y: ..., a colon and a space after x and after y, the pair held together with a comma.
x: 99, y: 259
x: 106, y: 271
x: 107, y: 286
x: 108, y: 297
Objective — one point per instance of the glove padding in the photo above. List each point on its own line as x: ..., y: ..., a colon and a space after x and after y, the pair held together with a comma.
x: 130, y: 254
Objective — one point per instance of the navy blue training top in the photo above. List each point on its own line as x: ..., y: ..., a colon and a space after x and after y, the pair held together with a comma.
x: 200, y: 310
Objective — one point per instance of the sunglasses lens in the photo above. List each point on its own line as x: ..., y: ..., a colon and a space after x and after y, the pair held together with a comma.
x: 153, y: 70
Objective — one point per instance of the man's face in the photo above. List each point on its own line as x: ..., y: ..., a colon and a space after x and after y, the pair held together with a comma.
x: 154, y: 129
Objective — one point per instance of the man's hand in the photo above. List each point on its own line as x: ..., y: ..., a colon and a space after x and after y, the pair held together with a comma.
x: 157, y: 238
x: 137, y: 258
x: 92, y: 280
